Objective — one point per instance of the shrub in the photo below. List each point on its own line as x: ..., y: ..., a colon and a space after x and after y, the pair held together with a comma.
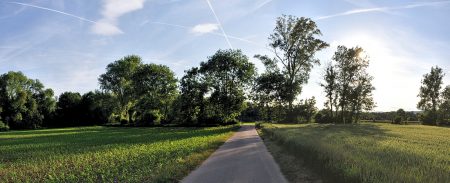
x: 398, y: 120
x: 323, y: 116
x: 149, y: 118
x: 3, y: 126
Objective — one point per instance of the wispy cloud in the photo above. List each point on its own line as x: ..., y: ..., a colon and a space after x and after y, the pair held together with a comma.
x: 262, y: 4
x: 212, y: 33
x: 383, y: 9
x: 53, y: 10
x: 220, y: 24
x: 205, y: 28
x: 112, y: 10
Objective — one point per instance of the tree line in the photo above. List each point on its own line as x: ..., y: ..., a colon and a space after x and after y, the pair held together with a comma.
x: 224, y: 89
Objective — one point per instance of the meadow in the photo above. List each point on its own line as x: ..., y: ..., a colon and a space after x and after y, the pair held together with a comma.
x: 366, y: 152
x: 106, y: 154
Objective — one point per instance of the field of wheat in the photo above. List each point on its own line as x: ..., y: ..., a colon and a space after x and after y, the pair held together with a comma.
x: 368, y: 152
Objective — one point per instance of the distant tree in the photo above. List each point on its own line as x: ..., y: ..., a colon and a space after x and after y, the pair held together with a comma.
x: 330, y: 87
x: 267, y: 91
x: 97, y: 108
x: 354, y: 86
x: 118, y: 81
x: 306, y: 109
x: 400, y: 116
x: 25, y: 103
x: 445, y: 105
x: 68, y: 109
x: 155, y: 88
x: 227, y: 73
x: 294, y: 43
x: 430, y: 95
x: 192, y: 104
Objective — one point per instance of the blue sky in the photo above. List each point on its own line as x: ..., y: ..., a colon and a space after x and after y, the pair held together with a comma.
x: 67, y: 44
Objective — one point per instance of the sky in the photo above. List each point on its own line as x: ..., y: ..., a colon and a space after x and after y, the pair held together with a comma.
x: 67, y: 44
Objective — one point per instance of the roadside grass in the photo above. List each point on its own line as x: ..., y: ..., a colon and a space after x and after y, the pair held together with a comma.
x: 367, y: 152
x: 106, y: 154
x: 292, y: 167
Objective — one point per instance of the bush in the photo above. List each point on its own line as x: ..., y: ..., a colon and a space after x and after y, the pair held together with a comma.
x: 149, y: 118
x: 398, y: 120
x: 3, y: 127
x: 323, y: 116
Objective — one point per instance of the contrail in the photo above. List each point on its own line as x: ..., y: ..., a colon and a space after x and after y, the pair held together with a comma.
x: 212, y: 33
x: 56, y: 11
x: 220, y: 25
x: 378, y: 9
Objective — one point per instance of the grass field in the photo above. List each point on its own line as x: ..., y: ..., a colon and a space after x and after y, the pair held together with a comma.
x: 106, y: 154
x: 367, y: 152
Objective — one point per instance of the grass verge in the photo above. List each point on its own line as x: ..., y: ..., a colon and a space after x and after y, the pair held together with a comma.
x: 367, y: 152
x: 106, y: 154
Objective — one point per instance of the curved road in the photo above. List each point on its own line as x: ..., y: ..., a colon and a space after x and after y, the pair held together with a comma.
x: 242, y: 158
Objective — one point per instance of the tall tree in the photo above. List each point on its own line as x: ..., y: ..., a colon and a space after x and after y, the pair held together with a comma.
x: 227, y: 73
x: 294, y: 43
x: 354, y: 86
x: 25, y: 103
x: 192, y: 101
x: 69, y: 110
x: 155, y: 88
x: 430, y: 94
x: 118, y: 81
x: 445, y: 105
x: 330, y: 87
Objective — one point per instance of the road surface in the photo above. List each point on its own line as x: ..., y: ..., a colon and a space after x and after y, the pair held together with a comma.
x: 242, y: 158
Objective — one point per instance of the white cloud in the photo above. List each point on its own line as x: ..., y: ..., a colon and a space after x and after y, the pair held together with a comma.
x: 112, y: 10
x: 205, y: 28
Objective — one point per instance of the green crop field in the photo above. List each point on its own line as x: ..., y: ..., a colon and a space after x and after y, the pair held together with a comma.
x: 106, y: 154
x: 368, y: 152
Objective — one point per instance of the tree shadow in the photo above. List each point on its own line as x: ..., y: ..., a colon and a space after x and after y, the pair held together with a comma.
x: 73, y: 141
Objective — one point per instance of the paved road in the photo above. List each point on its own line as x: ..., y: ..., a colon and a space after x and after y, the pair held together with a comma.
x: 242, y: 158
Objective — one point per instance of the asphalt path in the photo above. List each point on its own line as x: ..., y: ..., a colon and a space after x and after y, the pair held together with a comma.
x: 242, y: 158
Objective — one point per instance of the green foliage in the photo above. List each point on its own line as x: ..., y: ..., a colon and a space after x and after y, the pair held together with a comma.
x: 324, y: 116
x: 348, y: 85
x: 155, y: 88
x: 224, y: 77
x: 149, y: 118
x: 68, y: 110
x: 106, y: 154
x: 3, y: 126
x: 444, y: 108
x: 430, y: 95
x: 139, y: 87
x: 294, y: 42
x: 368, y: 152
x: 25, y: 103
x: 118, y: 81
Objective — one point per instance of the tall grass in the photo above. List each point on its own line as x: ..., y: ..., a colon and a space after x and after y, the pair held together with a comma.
x: 106, y: 154
x: 368, y: 152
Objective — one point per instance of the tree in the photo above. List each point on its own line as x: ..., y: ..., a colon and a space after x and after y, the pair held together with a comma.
x: 118, y: 81
x: 306, y: 109
x: 226, y: 74
x: 400, y: 116
x: 192, y: 104
x: 294, y: 44
x: 330, y: 87
x: 353, y: 83
x: 430, y: 95
x: 22, y: 101
x: 97, y: 108
x: 445, y: 105
x: 267, y: 91
x: 155, y: 88
x: 68, y: 110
